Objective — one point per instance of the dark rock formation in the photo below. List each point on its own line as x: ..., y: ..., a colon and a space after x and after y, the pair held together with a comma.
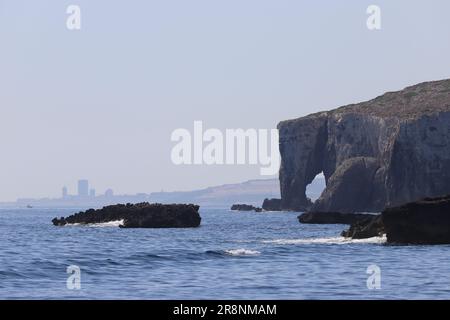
x: 425, y: 221
x: 387, y: 151
x: 422, y: 222
x: 370, y: 226
x: 142, y: 215
x: 271, y: 204
x: 245, y: 207
x: 332, y: 217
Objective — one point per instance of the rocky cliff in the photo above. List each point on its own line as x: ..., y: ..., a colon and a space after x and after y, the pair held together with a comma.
x: 384, y: 152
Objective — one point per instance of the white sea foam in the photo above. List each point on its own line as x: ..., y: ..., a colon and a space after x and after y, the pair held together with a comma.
x: 331, y: 240
x: 242, y: 252
x: 116, y: 223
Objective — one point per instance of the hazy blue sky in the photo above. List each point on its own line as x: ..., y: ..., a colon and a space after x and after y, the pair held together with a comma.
x: 101, y: 103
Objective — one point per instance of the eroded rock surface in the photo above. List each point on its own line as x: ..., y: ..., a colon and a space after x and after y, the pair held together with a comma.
x: 384, y: 152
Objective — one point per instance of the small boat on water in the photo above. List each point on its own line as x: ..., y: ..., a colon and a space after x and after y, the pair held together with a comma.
x: 29, y: 206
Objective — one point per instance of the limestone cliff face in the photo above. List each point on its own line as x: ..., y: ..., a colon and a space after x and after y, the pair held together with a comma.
x: 387, y: 151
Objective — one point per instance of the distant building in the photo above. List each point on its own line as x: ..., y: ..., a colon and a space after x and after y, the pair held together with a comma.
x: 109, y: 193
x: 92, y: 193
x: 83, y: 188
x: 64, y: 192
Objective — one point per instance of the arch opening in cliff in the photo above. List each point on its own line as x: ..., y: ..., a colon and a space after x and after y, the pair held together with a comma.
x: 316, y: 187
x: 373, y: 155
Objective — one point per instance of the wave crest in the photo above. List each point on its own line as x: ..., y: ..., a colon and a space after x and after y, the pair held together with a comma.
x: 331, y: 240
x: 116, y: 223
x: 242, y: 252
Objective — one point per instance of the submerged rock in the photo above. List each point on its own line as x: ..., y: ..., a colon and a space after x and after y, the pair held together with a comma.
x: 245, y: 207
x: 422, y: 222
x: 332, y: 217
x: 271, y: 205
x: 141, y: 215
x: 384, y: 152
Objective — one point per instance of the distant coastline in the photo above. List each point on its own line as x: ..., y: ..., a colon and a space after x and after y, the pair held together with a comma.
x: 252, y: 192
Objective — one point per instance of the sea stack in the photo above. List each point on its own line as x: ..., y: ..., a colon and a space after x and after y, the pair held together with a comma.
x: 141, y: 215
x: 391, y: 150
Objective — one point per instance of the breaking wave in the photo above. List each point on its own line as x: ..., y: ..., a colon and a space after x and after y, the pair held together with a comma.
x: 116, y: 223
x: 242, y: 252
x: 331, y: 240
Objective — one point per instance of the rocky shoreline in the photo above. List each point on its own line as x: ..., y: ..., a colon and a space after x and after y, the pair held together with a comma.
x: 426, y: 221
x: 375, y: 157
x: 141, y: 215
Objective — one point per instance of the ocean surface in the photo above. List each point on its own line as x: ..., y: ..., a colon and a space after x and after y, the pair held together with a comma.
x: 233, y: 255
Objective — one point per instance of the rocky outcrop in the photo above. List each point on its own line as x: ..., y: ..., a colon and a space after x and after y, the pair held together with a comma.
x: 423, y: 222
x: 142, y: 215
x: 271, y: 204
x: 245, y: 207
x: 332, y: 217
x: 387, y: 151
x: 371, y: 226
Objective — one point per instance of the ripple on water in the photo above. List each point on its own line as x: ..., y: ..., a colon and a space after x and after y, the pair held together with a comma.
x: 256, y: 256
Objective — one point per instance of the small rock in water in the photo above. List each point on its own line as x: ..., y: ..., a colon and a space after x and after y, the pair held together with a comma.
x: 141, y: 215
x: 332, y: 217
x: 245, y: 207
x: 272, y: 205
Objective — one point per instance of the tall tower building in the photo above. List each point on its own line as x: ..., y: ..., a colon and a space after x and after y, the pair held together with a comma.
x: 64, y: 192
x: 83, y: 188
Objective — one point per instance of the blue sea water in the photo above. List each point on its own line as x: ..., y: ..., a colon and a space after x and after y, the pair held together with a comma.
x: 233, y: 255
